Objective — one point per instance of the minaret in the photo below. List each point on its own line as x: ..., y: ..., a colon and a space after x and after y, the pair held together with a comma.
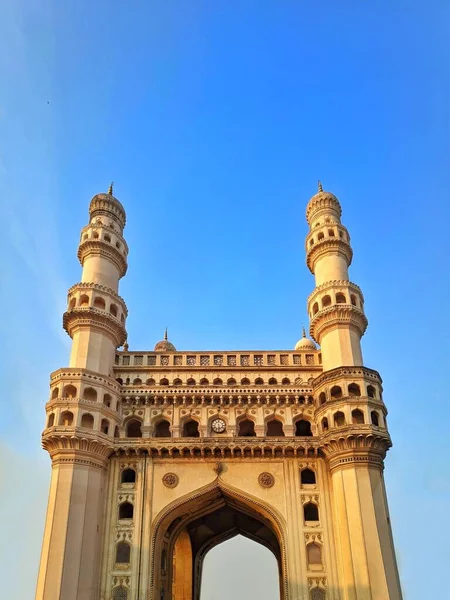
x: 82, y: 412
x: 350, y: 412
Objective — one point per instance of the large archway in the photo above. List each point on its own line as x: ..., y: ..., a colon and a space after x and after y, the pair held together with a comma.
x: 191, y: 526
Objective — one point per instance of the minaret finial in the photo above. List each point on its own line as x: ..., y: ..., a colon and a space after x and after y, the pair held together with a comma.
x: 165, y: 335
x: 110, y: 190
x: 303, y: 331
x: 319, y: 185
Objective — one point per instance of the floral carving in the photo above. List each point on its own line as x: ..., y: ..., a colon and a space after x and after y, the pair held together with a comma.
x: 170, y: 480
x: 266, y: 480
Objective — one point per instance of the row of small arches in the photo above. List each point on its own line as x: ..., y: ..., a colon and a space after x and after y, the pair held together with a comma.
x: 106, y: 238
x: 204, y: 381
x: 89, y: 393
x: 66, y: 419
x: 307, y: 476
x: 331, y: 234
x: 245, y: 428
x: 353, y: 391
x: 326, y: 301
x: 357, y: 417
x: 98, y: 302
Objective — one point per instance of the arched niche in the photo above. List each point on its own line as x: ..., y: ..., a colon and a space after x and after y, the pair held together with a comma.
x: 208, y: 517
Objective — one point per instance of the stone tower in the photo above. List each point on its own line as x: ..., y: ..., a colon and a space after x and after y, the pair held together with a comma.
x: 158, y: 456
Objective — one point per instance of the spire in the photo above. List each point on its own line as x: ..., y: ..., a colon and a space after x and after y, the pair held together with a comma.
x: 319, y: 185
x: 110, y: 189
x: 165, y: 335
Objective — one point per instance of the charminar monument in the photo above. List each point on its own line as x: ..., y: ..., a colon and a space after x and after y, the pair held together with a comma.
x: 159, y: 455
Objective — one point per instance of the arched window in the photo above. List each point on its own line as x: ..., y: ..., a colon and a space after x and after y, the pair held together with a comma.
x: 90, y: 394
x: 353, y: 299
x: 354, y: 390
x: 137, y: 381
x: 99, y: 303
x: 324, y: 424
x: 87, y: 420
x: 84, y: 300
x: 375, y: 419
x: 51, y: 420
x: 66, y: 418
x: 245, y: 381
x: 326, y: 301
x: 259, y: 381
x: 246, y: 428
x: 314, y: 554
x: 321, y: 236
x: 315, y: 308
x: 126, y: 510
x: 177, y: 381
x: 164, y: 381
x: 190, y: 429
x: 107, y: 400
x: 123, y: 551
x: 107, y: 238
x: 150, y: 381
x: 128, y: 476
x: 70, y: 391
x: 336, y: 392
x: 113, y: 310
x: 340, y: 298
x: 339, y: 419
x: 217, y: 381
x: 308, y: 476
x: 330, y: 233
x: 357, y: 417
x: 162, y: 429
x: 273, y: 381
x: 204, y: 381
x: 310, y: 512
x: 55, y: 393
x: 104, y: 427
x: 371, y: 391
x: 303, y: 428
x: 318, y: 594
x: 286, y: 381
x: 72, y: 304
x: 275, y: 428
x: 95, y: 235
x: 121, y: 593
x: 322, y: 398
x: 116, y: 432
x: 134, y: 429
x: 119, y: 380
x: 231, y: 381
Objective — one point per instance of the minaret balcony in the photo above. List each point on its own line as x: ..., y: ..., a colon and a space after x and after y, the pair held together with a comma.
x: 320, y: 244
x: 80, y: 317
x: 104, y: 248
x: 334, y: 293
x: 338, y: 315
x: 101, y: 297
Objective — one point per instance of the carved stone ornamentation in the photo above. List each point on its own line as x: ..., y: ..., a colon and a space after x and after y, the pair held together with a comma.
x: 266, y: 480
x: 170, y: 480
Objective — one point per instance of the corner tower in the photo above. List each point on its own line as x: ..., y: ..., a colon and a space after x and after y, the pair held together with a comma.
x: 350, y: 412
x: 83, y: 410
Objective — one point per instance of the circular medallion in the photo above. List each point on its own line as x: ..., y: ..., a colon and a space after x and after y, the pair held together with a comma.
x: 218, y: 425
x: 266, y: 480
x: 170, y: 480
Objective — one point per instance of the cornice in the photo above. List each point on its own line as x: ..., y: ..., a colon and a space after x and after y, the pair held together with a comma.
x: 57, y: 440
x: 332, y: 285
x: 99, y: 247
x: 72, y: 373
x: 334, y: 315
x: 327, y: 246
x: 80, y: 317
x: 323, y: 202
x: 346, y: 372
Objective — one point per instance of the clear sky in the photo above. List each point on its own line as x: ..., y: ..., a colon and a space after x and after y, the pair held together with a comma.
x: 215, y: 118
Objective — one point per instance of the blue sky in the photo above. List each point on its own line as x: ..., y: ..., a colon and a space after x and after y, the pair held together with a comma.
x: 215, y: 118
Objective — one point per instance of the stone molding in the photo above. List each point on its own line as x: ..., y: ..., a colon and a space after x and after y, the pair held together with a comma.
x: 337, y: 314
x: 328, y: 246
x: 92, y: 317
x: 69, y: 374
x: 98, y: 247
x: 351, y: 372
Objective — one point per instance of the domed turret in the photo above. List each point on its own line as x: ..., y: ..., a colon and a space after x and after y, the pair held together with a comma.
x: 164, y: 345
x: 305, y: 343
